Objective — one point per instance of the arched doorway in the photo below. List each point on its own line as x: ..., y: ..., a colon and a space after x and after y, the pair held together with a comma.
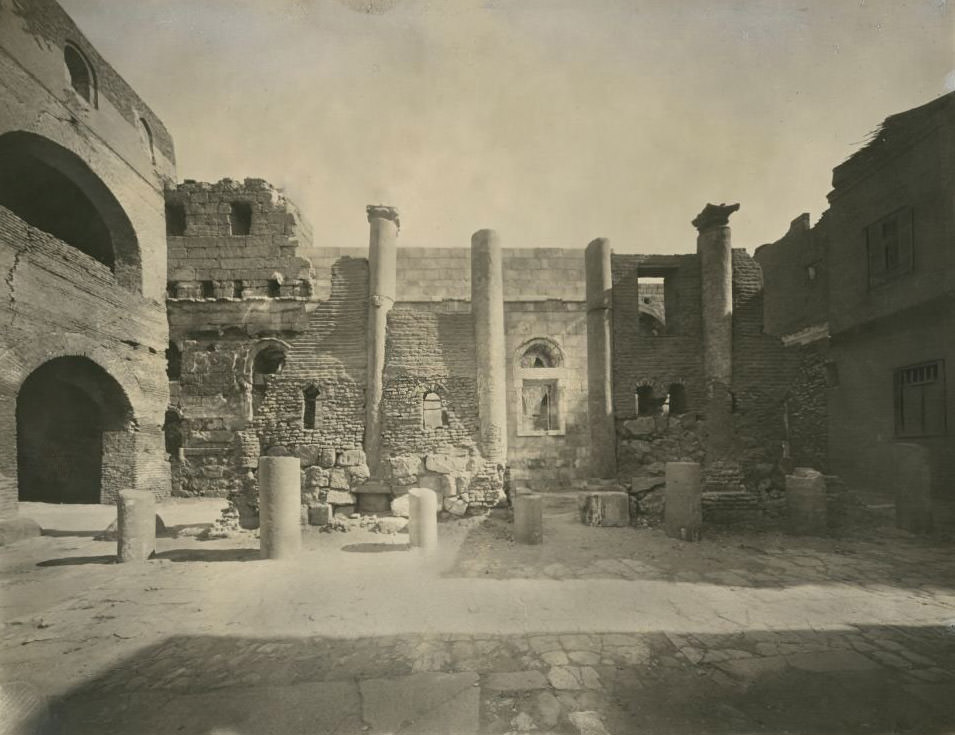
x: 74, y: 429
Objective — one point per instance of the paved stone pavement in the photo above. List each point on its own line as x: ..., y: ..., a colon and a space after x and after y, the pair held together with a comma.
x: 614, y: 631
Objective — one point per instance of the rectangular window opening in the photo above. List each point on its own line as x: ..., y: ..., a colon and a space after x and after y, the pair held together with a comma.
x: 240, y: 218
x: 175, y: 220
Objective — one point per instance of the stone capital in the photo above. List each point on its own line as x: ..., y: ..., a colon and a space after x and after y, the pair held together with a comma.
x: 381, y: 211
x: 714, y: 215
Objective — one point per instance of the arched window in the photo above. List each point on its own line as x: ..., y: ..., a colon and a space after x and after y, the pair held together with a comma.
x: 147, y: 137
x: 433, y: 415
x: 538, y: 374
x: 310, y: 410
x: 268, y: 361
x: 81, y: 73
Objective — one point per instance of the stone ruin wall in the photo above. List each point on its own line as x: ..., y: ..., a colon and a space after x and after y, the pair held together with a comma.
x: 771, y: 384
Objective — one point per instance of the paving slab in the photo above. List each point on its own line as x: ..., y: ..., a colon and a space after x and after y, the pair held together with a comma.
x: 421, y: 704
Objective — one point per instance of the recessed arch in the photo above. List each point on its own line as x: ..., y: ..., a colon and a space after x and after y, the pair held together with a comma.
x: 73, y: 419
x: 81, y: 73
x: 540, y: 352
x: 54, y: 190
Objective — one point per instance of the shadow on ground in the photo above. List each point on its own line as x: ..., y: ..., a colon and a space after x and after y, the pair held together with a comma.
x: 860, y: 680
x: 375, y: 548
x: 726, y: 556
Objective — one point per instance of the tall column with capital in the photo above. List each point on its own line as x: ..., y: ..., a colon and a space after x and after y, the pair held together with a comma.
x: 603, y: 449
x: 714, y: 248
x: 487, y: 313
x: 382, y: 267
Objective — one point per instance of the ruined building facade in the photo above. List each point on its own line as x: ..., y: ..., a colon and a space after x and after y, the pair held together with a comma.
x: 83, y: 163
x: 399, y: 366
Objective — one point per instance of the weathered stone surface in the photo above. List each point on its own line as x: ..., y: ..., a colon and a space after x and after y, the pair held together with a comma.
x: 683, y: 516
x: 358, y: 473
x: 643, y: 485
x: 326, y: 458
x: 529, y: 519
x: 604, y: 509
x: 338, y: 479
x: 437, y: 703
x: 308, y: 453
x: 446, y: 464
x: 343, y: 511
x: 340, y: 497
x: 456, y: 506
x: 319, y: 514
x: 640, y: 427
x: 392, y: 525
x: 516, y: 681
x: 400, y: 506
x: 405, y: 465
x: 316, y: 477
x: 351, y: 457
x: 588, y: 723
x: 111, y: 532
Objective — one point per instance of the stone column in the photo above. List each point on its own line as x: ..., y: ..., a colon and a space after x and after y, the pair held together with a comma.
x: 603, y: 448
x: 714, y: 248
x: 423, y: 518
x: 529, y: 519
x: 487, y: 311
x: 136, y: 525
x: 683, y: 510
x: 280, y: 507
x: 382, y: 267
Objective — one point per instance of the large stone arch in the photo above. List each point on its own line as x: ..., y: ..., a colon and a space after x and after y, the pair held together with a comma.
x: 56, y: 191
x: 75, y: 433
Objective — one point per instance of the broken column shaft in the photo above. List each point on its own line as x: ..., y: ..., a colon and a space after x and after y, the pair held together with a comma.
x: 603, y: 454
x: 136, y: 524
x: 423, y: 518
x: 382, y: 267
x: 280, y: 503
x: 487, y: 311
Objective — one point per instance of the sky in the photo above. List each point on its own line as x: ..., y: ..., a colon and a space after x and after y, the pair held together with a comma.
x: 550, y: 121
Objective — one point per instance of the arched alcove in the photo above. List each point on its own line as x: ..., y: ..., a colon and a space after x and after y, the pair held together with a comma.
x: 72, y: 418
x: 54, y: 190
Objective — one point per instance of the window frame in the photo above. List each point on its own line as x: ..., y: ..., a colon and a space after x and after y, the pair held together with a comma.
x: 877, y: 243
x: 899, y: 394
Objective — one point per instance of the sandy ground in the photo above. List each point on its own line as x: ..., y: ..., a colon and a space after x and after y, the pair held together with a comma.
x: 740, y: 633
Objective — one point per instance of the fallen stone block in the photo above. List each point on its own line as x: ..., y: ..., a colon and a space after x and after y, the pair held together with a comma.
x: 604, y: 508
x: 392, y: 525
x: 400, y: 506
x: 351, y: 457
x: 319, y: 514
x: 340, y: 497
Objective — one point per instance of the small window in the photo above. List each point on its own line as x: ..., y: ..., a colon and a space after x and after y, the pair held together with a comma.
x: 651, y: 318
x: 208, y: 289
x: 81, y: 73
x: 889, y: 243
x: 237, y: 287
x: 647, y: 404
x: 310, y: 410
x: 433, y: 415
x: 240, y: 218
x: 677, y: 399
x: 173, y: 362
x: 172, y: 290
x: 146, y: 135
x: 175, y: 220
x: 920, y: 400
x: 274, y: 288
